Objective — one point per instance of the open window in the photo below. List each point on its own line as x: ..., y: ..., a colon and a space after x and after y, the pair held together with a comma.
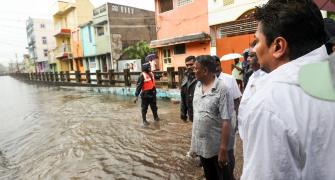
x: 179, y: 49
x: 165, y: 5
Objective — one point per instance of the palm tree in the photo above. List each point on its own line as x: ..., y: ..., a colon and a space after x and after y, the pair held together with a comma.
x: 138, y: 50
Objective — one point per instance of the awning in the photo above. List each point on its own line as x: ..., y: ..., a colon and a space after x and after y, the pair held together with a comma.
x: 328, y: 5
x: 180, y: 40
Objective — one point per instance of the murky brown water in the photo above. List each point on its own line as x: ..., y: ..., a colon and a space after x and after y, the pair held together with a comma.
x: 50, y: 133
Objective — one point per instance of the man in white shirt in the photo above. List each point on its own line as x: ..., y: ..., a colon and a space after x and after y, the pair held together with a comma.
x: 257, y: 74
x: 287, y: 133
x: 233, y: 103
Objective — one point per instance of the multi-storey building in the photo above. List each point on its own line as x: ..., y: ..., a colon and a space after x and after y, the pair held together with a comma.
x: 116, y: 27
x: 67, y: 16
x: 40, y: 41
x: 182, y: 30
x: 89, y: 47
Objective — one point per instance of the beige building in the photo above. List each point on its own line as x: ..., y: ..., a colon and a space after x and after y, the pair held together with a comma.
x: 67, y: 16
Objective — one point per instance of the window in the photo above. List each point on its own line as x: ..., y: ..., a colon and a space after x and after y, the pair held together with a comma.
x: 45, y: 52
x: 89, y: 34
x: 183, y: 2
x: 167, y: 56
x: 42, y: 26
x: 100, y: 31
x: 44, y: 40
x: 165, y: 5
x: 179, y: 49
x: 228, y: 2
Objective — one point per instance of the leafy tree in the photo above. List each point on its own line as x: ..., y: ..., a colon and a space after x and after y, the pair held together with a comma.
x: 138, y: 50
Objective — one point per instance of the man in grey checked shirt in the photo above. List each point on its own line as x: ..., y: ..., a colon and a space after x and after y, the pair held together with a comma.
x: 211, y: 123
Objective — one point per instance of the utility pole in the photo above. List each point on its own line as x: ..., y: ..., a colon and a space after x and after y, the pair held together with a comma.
x: 17, y: 64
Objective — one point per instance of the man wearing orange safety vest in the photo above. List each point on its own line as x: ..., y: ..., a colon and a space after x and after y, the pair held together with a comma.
x: 146, y: 87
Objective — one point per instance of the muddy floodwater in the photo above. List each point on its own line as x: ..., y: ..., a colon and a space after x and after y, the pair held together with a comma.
x: 51, y: 133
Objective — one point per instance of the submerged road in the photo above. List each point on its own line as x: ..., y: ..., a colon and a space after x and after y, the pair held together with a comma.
x: 50, y: 133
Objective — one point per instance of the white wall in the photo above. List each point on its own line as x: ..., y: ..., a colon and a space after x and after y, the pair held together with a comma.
x: 218, y: 13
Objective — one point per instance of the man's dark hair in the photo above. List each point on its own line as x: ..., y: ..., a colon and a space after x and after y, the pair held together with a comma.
x: 190, y: 58
x: 216, y: 59
x: 298, y: 21
x: 207, y: 62
x: 330, y: 31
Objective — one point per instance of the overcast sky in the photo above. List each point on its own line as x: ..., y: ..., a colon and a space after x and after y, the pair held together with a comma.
x: 13, y: 16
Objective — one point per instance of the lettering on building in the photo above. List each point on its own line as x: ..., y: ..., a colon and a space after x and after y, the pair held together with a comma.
x: 123, y: 9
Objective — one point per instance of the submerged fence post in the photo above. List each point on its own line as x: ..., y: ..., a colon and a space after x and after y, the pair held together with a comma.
x: 127, y: 80
x: 56, y: 77
x: 78, y: 76
x: 111, y: 77
x: 98, y: 74
x: 171, y: 77
x: 88, y: 76
x: 61, y: 76
x: 47, y: 76
x: 67, y: 75
x: 51, y: 76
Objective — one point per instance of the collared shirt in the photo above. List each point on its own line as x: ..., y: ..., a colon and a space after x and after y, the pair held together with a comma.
x: 286, y: 133
x: 236, y: 73
x: 255, y: 81
x: 252, y: 84
x: 231, y: 84
x: 234, y: 93
x: 210, y: 110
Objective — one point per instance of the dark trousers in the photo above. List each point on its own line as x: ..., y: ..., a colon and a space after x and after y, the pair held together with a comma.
x: 146, y: 101
x: 212, y: 169
x: 231, y: 158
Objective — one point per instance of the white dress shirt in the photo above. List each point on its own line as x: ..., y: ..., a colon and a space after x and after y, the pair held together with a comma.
x: 252, y: 84
x: 234, y: 93
x: 286, y: 133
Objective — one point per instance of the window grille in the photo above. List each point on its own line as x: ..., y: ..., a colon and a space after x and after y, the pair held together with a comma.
x: 183, y: 2
x: 237, y: 27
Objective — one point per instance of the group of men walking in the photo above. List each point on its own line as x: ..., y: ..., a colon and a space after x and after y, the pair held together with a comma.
x: 286, y: 116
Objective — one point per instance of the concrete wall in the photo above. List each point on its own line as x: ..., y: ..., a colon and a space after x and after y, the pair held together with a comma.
x: 173, y: 94
x: 219, y: 13
x: 131, y: 23
x: 194, y: 48
x: 76, y: 45
x: 88, y: 40
x: 188, y: 19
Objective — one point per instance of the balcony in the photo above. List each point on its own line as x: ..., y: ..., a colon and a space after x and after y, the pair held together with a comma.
x: 62, y: 7
x: 63, y: 32
x: 63, y: 52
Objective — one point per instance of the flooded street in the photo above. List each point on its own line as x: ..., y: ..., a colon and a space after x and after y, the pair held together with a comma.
x: 46, y: 132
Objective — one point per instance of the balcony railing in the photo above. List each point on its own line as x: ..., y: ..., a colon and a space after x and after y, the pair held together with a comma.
x: 63, y: 51
x: 62, y: 32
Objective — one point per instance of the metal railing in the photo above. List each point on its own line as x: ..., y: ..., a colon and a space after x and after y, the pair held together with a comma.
x: 169, y: 78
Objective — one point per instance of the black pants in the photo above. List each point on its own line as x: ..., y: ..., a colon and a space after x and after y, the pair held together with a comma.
x: 146, y: 101
x: 212, y: 169
x: 231, y: 158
